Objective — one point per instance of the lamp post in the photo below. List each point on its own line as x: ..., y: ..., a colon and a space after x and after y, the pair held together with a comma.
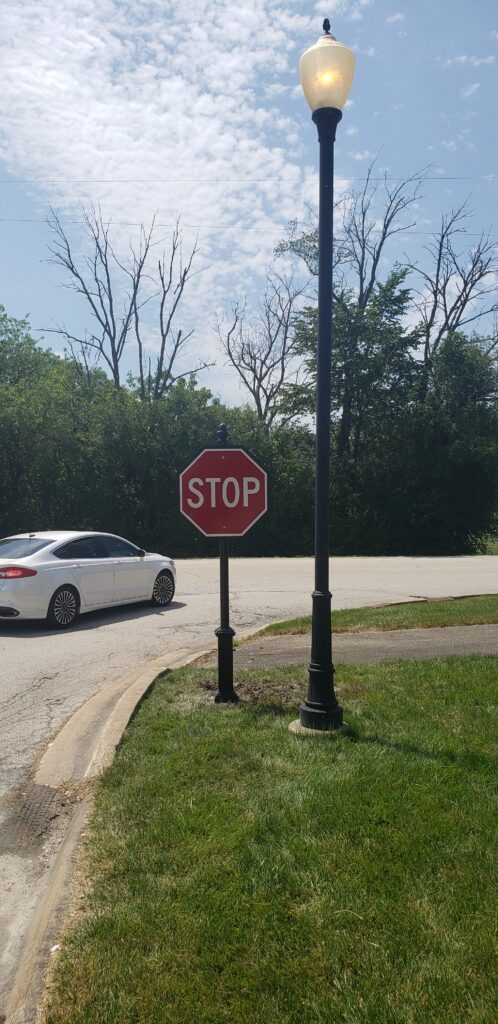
x: 326, y: 71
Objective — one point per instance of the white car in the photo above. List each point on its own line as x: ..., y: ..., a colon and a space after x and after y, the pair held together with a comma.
x: 58, y: 575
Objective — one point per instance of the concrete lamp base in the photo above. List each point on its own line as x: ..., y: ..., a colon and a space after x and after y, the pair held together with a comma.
x: 301, y: 730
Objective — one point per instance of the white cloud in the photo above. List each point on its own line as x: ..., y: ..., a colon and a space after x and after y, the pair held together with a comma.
x: 351, y: 9
x: 143, y: 110
x: 363, y: 154
x: 369, y: 51
x: 351, y: 130
x: 494, y: 35
x: 470, y: 90
x: 395, y: 19
x: 465, y: 60
x: 461, y: 141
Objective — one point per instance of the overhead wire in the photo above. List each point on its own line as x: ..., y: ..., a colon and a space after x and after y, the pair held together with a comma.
x: 205, y: 227
x: 225, y: 180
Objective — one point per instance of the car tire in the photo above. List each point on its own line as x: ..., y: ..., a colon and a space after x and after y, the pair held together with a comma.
x: 164, y: 589
x: 63, y: 608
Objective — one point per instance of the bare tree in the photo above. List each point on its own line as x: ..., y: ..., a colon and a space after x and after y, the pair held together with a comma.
x: 167, y: 358
x: 366, y: 221
x: 99, y: 274
x: 363, y: 234
x: 93, y: 276
x: 459, y: 286
x: 260, y: 347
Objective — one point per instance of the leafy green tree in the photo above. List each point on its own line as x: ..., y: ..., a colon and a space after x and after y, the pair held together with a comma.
x: 426, y: 478
x: 372, y: 358
x: 418, y: 476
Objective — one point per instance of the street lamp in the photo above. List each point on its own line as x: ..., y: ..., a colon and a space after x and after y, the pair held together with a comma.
x: 326, y: 71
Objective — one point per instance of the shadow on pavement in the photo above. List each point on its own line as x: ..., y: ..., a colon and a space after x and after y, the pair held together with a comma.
x: 29, y: 628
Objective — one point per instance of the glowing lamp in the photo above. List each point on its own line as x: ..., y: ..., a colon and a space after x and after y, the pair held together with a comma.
x: 326, y: 72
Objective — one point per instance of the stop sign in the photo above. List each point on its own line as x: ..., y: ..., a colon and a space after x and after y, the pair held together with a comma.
x: 223, y: 492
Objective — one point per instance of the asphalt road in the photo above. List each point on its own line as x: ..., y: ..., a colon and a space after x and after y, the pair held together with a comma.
x: 46, y: 676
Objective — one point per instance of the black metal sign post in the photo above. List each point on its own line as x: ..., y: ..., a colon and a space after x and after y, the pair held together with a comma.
x: 226, y: 693
x: 223, y: 492
x: 225, y: 634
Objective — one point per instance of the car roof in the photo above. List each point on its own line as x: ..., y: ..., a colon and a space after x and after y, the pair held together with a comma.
x: 55, y: 535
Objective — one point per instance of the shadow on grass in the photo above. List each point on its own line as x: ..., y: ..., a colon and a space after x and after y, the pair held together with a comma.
x: 469, y: 760
x: 466, y: 759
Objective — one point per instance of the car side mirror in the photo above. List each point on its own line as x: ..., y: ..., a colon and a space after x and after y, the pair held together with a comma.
x: 141, y: 553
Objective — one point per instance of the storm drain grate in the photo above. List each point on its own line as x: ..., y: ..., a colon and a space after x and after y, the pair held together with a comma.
x: 32, y: 811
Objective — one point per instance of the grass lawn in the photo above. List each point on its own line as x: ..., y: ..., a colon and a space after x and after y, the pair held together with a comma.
x: 462, y: 611
x: 242, y: 875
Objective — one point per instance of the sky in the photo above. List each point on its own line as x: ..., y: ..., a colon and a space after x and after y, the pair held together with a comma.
x: 194, y: 110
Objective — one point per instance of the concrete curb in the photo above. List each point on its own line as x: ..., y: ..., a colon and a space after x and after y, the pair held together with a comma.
x: 86, y: 744
x: 83, y: 748
x: 29, y: 980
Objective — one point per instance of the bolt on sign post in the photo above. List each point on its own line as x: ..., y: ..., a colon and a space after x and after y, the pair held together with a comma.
x: 223, y: 492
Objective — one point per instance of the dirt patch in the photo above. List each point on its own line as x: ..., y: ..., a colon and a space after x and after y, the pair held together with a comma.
x: 262, y: 690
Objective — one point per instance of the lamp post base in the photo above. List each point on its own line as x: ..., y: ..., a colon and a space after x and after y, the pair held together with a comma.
x: 301, y: 730
x: 321, y: 717
x: 321, y: 709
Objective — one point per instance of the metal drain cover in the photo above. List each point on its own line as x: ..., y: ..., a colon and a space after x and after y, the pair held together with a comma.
x: 32, y: 810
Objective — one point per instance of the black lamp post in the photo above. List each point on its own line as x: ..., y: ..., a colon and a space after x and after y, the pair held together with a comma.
x: 326, y: 71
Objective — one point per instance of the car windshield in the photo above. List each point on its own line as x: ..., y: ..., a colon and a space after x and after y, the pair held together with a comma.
x: 21, y: 547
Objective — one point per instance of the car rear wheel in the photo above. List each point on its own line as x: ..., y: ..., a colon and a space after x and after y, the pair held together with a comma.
x: 164, y: 589
x: 63, y: 608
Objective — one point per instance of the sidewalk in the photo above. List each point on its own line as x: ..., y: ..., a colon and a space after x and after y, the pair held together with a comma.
x: 406, y: 644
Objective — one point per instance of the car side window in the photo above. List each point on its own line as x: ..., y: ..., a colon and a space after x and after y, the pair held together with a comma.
x: 86, y: 547
x: 64, y: 552
x: 117, y: 548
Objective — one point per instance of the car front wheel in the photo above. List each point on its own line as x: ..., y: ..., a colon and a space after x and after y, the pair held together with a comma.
x: 63, y: 608
x: 164, y: 589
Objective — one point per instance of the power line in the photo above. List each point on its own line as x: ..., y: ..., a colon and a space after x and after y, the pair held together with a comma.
x: 210, y: 227
x: 172, y: 181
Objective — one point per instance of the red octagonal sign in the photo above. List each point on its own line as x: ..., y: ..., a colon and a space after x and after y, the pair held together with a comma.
x: 223, y: 492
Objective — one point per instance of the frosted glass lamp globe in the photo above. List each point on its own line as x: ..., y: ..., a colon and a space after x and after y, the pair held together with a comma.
x: 326, y: 72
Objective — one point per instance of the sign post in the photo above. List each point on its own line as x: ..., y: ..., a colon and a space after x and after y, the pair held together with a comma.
x: 223, y: 492
x: 225, y: 634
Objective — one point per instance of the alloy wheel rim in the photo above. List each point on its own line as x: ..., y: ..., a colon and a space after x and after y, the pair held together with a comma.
x: 163, y: 589
x: 65, y: 607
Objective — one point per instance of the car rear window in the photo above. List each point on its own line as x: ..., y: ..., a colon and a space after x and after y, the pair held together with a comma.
x: 22, y: 547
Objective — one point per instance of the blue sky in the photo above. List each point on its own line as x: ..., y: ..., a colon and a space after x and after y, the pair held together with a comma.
x: 194, y: 110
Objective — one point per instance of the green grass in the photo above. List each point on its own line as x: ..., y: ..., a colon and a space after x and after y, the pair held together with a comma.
x: 492, y: 546
x: 242, y: 875
x: 463, y: 611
